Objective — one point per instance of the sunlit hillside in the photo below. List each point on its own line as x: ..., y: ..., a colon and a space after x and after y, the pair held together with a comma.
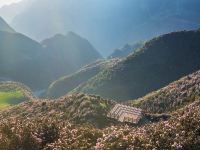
x: 99, y: 75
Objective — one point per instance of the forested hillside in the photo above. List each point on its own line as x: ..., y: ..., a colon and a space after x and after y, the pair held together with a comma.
x: 160, y: 61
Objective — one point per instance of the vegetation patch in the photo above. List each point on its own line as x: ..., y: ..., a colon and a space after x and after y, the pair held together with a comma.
x: 10, y: 98
x: 172, y: 97
x: 12, y: 93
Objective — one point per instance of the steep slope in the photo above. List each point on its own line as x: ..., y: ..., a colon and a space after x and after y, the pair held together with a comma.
x: 12, y: 93
x: 65, y: 84
x: 4, y: 26
x: 171, y: 97
x: 159, y: 62
x: 129, y: 20
x: 70, y: 51
x: 126, y: 50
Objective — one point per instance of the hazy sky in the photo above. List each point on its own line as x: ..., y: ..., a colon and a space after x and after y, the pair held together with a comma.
x: 4, y: 2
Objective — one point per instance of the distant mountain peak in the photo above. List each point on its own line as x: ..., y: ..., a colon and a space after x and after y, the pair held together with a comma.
x: 69, y: 36
x: 4, y: 26
x: 71, y: 33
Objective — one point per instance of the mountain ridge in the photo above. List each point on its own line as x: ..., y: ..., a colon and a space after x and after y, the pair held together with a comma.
x: 22, y: 59
x: 66, y: 84
x: 160, y: 61
x: 172, y: 97
x: 4, y: 26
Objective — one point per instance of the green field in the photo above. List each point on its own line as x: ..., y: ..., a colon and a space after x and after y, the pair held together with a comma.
x: 8, y: 98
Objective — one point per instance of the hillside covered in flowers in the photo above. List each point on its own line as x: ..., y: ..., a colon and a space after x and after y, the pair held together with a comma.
x: 171, y: 97
x: 180, y: 132
x: 80, y: 121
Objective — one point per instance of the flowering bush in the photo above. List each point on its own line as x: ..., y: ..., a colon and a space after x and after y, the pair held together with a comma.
x: 77, y: 108
x: 180, y: 132
x: 171, y: 97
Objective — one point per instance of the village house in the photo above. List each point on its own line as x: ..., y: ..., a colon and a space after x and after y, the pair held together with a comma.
x: 124, y: 113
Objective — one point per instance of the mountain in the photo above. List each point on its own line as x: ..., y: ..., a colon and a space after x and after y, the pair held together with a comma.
x: 21, y: 60
x: 4, y: 26
x: 68, y: 53
x: 12, y: 93
x: 160, y: 61
x: 130, y: 20
x: 65, y: 84
x: 125, y: 51
x: 9, y: 11
x: 25, y: 60
x: 174, y: 96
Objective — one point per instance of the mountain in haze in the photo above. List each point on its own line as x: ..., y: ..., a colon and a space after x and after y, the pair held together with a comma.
x: 9, y: 11
x: 113, y: 23
x: 65, y: 84
x: 160, y: 61
x: 126, y: 50
x: 4, y: 26
x: 21, y: 59
x: 70, y: 51
x: 25, y: 60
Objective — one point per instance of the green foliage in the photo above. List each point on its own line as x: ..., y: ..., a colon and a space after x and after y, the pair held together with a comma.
x: 77, y: 108
x: 12, y: 93
x: 9, y: 98
x: 66, y: 84
x: 159, y: 62
x: 172, y: 97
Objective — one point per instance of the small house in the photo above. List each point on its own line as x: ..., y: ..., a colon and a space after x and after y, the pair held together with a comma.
x: 124, y: 113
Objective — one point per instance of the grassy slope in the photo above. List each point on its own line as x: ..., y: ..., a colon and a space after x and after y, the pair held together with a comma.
x: 9, y: 98
x: 160, y: 62
x: 12, y: 93
x: 65, y: 84
x: 171, y: 97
